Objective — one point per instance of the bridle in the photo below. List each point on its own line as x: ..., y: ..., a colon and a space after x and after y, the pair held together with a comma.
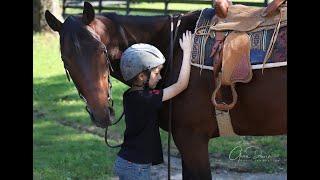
x: 109, y: 67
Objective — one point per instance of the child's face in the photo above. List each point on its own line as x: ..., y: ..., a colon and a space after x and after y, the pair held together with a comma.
x: 155, y: 76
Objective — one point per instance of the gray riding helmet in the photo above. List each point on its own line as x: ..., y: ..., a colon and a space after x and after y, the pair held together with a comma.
x: 138, y: 58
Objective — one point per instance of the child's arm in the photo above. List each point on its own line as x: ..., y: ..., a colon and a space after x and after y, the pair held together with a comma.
x: 183, y: 80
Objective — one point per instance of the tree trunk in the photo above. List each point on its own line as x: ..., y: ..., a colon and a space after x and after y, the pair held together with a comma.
x: 39, y: 8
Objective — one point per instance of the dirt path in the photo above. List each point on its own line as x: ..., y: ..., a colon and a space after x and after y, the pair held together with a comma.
x: 159, y: 172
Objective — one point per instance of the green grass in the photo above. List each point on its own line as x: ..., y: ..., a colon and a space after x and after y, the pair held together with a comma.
x: 61, y: 152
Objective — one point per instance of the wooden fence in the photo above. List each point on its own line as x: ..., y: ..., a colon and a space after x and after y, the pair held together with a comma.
x: 98, y: 4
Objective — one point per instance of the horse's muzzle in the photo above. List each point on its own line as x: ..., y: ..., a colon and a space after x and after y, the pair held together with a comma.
x: 105, y: 121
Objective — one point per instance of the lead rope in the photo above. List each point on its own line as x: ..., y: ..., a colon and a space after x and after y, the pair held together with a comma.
x: 106, y: 133
x: 111, y: 100
x: 170, y: 102
x: 172, y: 40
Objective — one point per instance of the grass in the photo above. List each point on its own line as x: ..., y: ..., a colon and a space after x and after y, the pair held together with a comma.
x: 61, y: 152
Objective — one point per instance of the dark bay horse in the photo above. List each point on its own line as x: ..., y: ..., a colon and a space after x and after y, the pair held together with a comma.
x: 262, y: 104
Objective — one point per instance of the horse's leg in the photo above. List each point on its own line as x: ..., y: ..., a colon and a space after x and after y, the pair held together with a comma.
x: 193, y: 148
x: 194, y: 124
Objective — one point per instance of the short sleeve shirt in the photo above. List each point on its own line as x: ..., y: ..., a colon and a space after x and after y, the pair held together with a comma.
x: 142, y: 143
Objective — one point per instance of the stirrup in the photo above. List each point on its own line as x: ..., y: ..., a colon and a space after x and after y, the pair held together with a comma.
x: 223, y: 106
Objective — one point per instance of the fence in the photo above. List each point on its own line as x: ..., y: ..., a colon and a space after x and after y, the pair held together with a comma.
x: 78, y: 4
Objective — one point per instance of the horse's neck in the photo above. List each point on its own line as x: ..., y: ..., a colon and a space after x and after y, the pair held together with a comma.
x: 154, y: 30
x: 144, y: 29
x: 139, y: 29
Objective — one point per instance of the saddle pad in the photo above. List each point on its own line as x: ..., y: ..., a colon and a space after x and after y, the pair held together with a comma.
x: 202, y: 42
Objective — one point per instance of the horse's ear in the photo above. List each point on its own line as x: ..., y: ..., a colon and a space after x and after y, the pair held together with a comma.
x: 52, y: 21
x: 88, y: 13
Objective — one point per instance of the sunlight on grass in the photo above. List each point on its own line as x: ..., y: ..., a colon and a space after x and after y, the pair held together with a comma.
x: 46, y: 52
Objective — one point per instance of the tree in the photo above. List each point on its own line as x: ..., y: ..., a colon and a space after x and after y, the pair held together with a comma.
x: 39, y: 8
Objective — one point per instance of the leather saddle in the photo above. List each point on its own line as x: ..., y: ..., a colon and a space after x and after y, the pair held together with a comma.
x: 231, y: 50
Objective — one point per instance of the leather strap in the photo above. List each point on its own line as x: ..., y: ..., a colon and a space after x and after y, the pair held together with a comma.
x: 216, y: 52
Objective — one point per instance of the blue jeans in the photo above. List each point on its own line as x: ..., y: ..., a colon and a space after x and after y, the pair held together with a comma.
x: 127, y: 170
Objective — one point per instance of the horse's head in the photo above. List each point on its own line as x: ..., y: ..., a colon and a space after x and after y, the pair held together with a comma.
x: 84, y: 55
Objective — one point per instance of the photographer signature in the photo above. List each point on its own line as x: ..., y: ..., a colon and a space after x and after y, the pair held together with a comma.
x: 249, y: 153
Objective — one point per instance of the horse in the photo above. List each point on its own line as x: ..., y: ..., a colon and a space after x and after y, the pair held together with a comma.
x: 91, y: 42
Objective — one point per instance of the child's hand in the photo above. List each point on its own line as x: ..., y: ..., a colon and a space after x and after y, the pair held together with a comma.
x: 186, y: 42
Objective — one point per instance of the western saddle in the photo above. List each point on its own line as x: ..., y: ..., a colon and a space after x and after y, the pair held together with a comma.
x: 231, y: 50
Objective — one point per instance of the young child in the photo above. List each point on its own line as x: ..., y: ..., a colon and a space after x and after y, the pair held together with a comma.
x: 141, y: 65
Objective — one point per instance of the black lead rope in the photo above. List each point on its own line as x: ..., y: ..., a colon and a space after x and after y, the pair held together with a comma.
x: 172, y: 40
x: 170, y: 101
x: 106, y: 133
